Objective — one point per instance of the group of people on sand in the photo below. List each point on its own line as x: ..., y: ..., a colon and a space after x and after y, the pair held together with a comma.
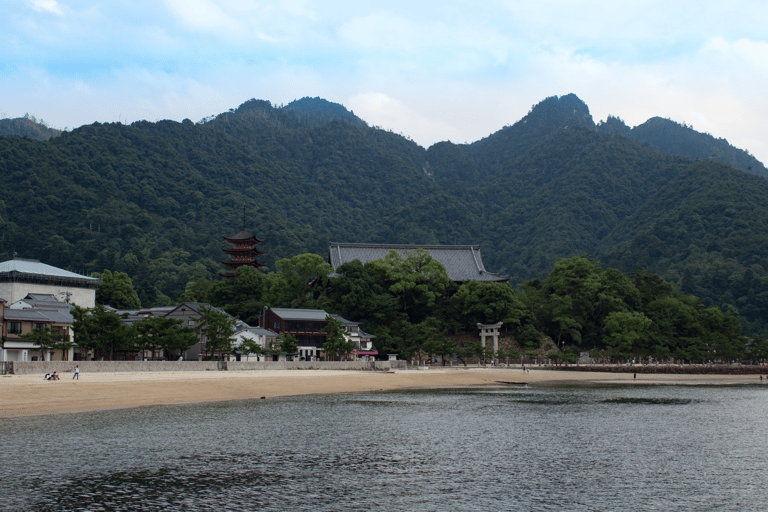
x: 55, y: 376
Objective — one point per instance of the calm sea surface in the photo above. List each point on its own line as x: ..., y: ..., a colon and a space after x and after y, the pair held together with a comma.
x: 612, y: 448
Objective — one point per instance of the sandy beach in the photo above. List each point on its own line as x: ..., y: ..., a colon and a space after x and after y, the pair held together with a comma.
x: 30, y: 395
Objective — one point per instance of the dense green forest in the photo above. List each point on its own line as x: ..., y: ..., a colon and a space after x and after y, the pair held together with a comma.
x: 413, y: 309
x: 153, y: 200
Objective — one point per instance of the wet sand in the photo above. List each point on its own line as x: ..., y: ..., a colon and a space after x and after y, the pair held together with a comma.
x: 30, y: 395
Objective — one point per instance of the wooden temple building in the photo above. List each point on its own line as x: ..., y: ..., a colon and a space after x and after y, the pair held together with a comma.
x: 242, y: 253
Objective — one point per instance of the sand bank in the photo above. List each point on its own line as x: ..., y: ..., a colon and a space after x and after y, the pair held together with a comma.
x: 29, y: 395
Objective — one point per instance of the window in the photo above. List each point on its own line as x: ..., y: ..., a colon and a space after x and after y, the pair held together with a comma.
x: 14, y: 327
x: 277, y: 324
x: 40, y: 326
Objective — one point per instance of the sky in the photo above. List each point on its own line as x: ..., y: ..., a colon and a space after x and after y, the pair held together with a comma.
x: 432, y: 71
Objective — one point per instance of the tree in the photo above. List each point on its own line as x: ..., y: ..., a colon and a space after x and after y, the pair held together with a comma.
x: 488, y: 303
x: 418, y: 281
x: 218, y: 329
x: 248, y: 347
x: 99, y: 330
x: 44, y: 338
x: 296, y: 281
x: 433, y: 339
x: 360, y: 292
x: 288, y: 344
x: 242, y: 295
x: 116, y: 290
x: 624, y: 329
x: 336, y: 344
x: 164, y: 333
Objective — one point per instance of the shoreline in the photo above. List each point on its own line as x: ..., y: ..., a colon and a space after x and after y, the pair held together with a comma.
x: 31, y: 395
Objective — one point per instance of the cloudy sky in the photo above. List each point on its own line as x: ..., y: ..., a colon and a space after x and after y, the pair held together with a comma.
x: 429, y: 70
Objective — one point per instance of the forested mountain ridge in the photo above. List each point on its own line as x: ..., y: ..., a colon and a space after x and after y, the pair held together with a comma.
x: 154, y: 199
x: 681, y: 140
x: 27, y: 126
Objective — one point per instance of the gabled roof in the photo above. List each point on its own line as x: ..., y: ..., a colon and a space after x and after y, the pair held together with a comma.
x: 300, y: 314
x: 197, y: 307
x: 46, y: 305
x: 257, y: 330
x: 26, y: 315
x: 42, y: 297
x: 344, y: 321
x: 34, y: 267
x: 462, y: 262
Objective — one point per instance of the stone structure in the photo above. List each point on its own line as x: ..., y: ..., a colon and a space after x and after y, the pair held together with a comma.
x: 86, y: 367
x: 490, y: 330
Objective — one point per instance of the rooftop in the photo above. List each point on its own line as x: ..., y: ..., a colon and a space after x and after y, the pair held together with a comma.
x: 300, y: 314
x: 34, y: 267
x: 462, y: 262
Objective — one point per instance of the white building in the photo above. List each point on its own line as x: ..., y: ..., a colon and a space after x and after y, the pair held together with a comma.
x: 264, y: 338
x: 20, y: 278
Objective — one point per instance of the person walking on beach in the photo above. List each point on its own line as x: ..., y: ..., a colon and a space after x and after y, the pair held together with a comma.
x: 77, y: 373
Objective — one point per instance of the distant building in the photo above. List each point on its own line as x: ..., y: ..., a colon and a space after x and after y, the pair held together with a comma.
x: 189, y: 313
x: 21, y: 277
x: 462, y: 262
x: 43, y: 311
x: 308, y: 326
x: 363, y: 341
x: 265, y: 338
x: 242, y: 253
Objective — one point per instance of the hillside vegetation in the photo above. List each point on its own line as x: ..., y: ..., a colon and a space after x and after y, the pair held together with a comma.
x: 154, y: 199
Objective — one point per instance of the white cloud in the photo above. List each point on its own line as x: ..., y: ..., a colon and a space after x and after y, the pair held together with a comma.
x: 244, y: 20
x: 379, y: 109
x: 433, y: 72
x: 204, y: 15
x: 50, y: 6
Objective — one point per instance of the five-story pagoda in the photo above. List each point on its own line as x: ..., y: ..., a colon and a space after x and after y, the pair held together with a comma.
x: 243, y: 252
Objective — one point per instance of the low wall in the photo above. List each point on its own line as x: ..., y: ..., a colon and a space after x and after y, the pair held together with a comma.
x: 67, y: 367
x: 314, y: 365
x: 64, y: 367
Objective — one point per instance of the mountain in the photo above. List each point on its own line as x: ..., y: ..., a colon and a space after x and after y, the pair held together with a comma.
x: 155, y: 199
x: 681, y: 140
x: 27, y: 126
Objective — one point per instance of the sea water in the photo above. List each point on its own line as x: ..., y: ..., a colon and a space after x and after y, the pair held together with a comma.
x: 617, y: 448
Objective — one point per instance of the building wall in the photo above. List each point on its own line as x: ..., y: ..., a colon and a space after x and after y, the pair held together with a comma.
x: 83, y: 297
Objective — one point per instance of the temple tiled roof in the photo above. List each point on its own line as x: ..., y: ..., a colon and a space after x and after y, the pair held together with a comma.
x: 462, y: 262
x: 300, y: 314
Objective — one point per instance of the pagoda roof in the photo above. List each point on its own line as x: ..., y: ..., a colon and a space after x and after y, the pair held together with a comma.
x: 462, y: 262
x: 244, y: 236
x: 237, y: 264
x: 243, y: 250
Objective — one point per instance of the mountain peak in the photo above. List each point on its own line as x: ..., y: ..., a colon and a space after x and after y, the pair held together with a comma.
x: 555, y: 111
x: 320, y: 111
